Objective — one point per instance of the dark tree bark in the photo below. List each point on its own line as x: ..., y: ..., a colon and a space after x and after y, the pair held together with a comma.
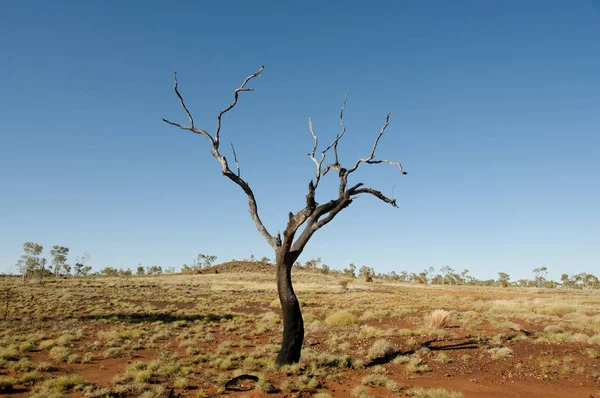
x: 293, y: 324
x: 311, y: 218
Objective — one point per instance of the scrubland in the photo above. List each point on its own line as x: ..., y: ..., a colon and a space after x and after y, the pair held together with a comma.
x: 190, y: 335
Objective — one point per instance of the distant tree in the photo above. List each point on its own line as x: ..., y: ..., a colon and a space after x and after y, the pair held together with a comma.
x: 540, y: 276
x: 466, y: 278
x: 525, y: 283
x: 447, y: 275
x: 503, y: 278
x: 141, y: 271
x: 154, y: 270
x: 350, y: 272
x: 403, y: 276
x: 566, y: 281
x: 203, y: 261
x: 426, y: 274
x: 30, y: 261
x: 325, y: 269
x: 109, y: 271
x: 313, y: 264
x: 311, y: 218
x: 366, y: 272
x: 81, y: 269
x: 591, y: 281
x: 394, y: 276
x: 265, y: 260
x: 169, y: 270
x: 59, y: 260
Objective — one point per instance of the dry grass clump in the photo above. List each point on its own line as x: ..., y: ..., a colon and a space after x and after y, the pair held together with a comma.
x: 369, y: 332
x: 59, y: 353
x: 45, y: 367
x: 438, y: 318
x: 60, y: 385
x: 500, y: 352
x: 7, y: 383
x: 381, y: 349
x: 10, y: 353
x: 418, y: 392
x: 594, y: 339
x: 416, y: 365
x: 341, y: 318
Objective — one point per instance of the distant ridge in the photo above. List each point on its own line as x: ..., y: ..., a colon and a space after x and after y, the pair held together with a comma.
x: 240, y: 266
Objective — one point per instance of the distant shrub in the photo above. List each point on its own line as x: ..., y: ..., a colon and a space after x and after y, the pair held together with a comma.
x: 416, y: 365
x: 438, y: 318
x: 62, y: 384
x: 419, y: 392
x: 374, y: 380
x: 381, y: 349
x: 500, y: 352
x: 340, y: 318
x: 59, y: 353
x: 594, y: 339
x: 10, y: 353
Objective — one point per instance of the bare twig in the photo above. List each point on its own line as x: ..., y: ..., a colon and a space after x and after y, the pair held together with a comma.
x: 189, y: 115
x: 237, y: 164
x: 312, y: 153
x: 236, y: 93
x: 339, y: 136
x: 370, y: 159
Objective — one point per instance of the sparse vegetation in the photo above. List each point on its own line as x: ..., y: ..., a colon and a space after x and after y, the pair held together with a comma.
x: 165, y: 329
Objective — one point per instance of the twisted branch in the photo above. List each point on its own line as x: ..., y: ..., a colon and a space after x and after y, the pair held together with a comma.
x: 214, y: 141
x: 236, y: 94
x: 316, y: 216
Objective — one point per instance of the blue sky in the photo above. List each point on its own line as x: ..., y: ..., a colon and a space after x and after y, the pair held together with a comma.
x: 494, y: 115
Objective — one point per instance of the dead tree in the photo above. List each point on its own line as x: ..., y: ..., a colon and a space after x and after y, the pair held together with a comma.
x: 311, y: 218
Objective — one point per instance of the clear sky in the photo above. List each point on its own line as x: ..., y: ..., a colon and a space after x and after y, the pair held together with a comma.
x: 495, y: 116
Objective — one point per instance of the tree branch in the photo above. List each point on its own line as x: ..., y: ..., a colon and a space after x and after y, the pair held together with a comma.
x: 189, y: 115
x: 377, y: 194
x: 316, y: 216
x: 312, y: 153
x: 236, y: 94
x: 214, y: 141
x: 339, y: 136
x: 370, y: 159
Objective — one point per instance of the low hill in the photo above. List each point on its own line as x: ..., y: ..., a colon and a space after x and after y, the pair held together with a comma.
x: 232, y: 267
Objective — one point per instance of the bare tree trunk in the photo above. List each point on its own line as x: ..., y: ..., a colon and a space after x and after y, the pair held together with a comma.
x: 293, y: 324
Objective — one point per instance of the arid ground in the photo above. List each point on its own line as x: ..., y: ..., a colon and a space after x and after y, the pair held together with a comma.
x: 190, y: 335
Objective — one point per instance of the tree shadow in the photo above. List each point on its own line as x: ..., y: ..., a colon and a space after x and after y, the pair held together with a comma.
x: 143, y: 317
x: 471, y: 344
